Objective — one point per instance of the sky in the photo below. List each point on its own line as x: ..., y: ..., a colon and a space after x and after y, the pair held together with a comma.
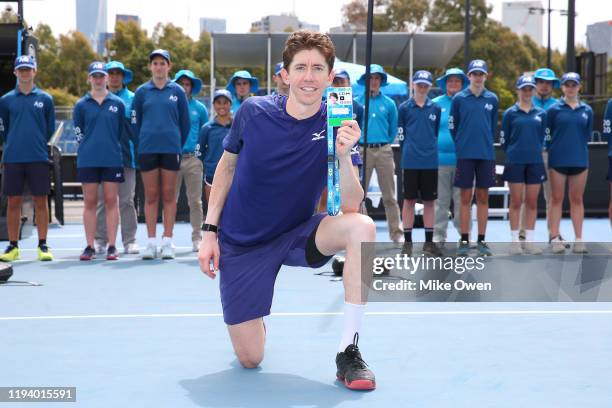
x: 61, y: 14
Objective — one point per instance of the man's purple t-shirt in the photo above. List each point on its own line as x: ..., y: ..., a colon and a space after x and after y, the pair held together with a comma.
x: 280, y: 173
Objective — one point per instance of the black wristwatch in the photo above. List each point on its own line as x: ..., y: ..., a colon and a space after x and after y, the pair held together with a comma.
x: 209, y: 227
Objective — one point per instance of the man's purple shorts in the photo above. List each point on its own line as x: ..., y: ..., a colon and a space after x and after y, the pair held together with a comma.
x: 248, y: 273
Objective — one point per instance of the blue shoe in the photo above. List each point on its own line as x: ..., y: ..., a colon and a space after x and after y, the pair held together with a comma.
x: 463, y: 249
x: 483, y: 249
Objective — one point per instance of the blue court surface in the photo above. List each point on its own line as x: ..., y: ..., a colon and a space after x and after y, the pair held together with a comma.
x: 135, y: 333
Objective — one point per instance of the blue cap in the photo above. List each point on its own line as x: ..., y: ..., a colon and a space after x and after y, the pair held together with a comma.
x: 162, y: 53
x: 477, y: 65
x: 196, y: 83
x: 278, y: 67
x: 127, y: 74
x: 422, y: 77
x: 441, y: 81
x: 25, y: 61
x: 222, y: 93
x: 547, y: 74
x: 341, y: 73
x: 525, y: 80
x: 375, y: 69
x: 570, y: 76
x: 244, y: 75
x: 97, y: 67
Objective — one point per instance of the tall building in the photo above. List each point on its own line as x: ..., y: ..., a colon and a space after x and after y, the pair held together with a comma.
x: 599, y: 37
x: 91, y: 19
x: 213, y: 25
x: 102, y: 43
x: 524, y: 17
x: 279, y: 23
x: 127, y: 17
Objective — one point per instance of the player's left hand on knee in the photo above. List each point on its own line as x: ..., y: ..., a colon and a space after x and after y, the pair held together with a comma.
x: 348, y: 135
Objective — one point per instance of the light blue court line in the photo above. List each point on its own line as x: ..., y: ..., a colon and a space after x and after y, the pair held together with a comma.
x: 319, y: 314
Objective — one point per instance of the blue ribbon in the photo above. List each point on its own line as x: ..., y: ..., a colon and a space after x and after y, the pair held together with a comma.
x: 333, y: 174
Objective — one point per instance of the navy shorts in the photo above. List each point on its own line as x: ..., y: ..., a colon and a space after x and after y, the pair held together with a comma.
x: 248, y: 273
x: 569, y: 171
x: 525, y: 173
x: 483, y: 170
x: 17, y: 175
x: 424, y: 181
x: 610, y: 168
x: 152, y: 161
x: 100, y: 174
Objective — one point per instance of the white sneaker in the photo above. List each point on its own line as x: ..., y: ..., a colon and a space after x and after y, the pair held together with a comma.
x: 516, y: 248
x: 132, y: 248
x: 196, y: 246
x: 100, y: 248
x: 557, y: 245
x: 150, y: 251
x: 580, y: 248
x: 531, y: 248
x: 167, y: 251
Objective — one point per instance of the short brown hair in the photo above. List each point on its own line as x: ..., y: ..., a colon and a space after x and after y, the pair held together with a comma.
x: 308, y: 40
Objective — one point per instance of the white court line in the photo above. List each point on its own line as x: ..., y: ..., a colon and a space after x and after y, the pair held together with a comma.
x: 311, y: 314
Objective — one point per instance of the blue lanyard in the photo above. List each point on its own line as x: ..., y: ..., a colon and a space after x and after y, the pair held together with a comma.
x: 333, y: 174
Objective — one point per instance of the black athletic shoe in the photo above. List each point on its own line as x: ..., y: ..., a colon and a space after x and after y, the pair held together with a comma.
x: 88, y: 254
x: 407, y: 248
x: 352, y: 370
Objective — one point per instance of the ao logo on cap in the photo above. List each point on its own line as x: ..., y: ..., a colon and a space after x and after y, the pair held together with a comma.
x: 423, y: 75
x: 478, y: 63
x: 24, y: 58
x: 98, y: 66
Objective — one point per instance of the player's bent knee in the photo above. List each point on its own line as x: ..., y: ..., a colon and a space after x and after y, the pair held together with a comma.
x: 249, y: 359
x: 364, y: 228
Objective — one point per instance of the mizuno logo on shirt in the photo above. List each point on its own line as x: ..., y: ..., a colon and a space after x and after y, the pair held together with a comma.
x: 318, y: 135
x: 39, y: 104
x: 173, y: 98
x: 488, y: 107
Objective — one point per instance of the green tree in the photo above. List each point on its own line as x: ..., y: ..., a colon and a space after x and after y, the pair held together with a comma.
x: 75, y: 55
x: 46, y: 57
x: 132, y: 47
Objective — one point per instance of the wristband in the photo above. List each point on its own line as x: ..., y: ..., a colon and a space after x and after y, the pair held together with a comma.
x: 209, y: 227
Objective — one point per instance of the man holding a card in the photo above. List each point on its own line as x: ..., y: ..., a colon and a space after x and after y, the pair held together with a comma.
x: 265, y: 189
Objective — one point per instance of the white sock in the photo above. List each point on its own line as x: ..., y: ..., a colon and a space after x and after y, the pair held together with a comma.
x: 530, y: 234
x: 153, y: 241
x: 166, y: 240
x: 515, y: 235
x: 353, y: 315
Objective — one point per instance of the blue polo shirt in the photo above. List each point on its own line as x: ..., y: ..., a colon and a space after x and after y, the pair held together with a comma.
x: 472, y: 123
x: 446, y: 144
x: 382, y: 124
x: 27, y: 123
x: 280, y: 172
x: 607, y: 126
x: 543, y: 103
x: 569, y: 131
x: 198, y: 116
x: 418, y: 134
x: 210, y: 146
x: 522, y: 135
x: 99, y: 130
x: 127, y: 142
x: 160, y: 118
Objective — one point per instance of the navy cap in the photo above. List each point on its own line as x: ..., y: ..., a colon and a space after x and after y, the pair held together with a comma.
x: 222, y: 93
x: 570, y: 76
x: 547, y: 74
x: 422, y: 77
x: 341, y: 73
x: 162, y: 53
x: 25, y: 61
x: 525, y: 80
x: 477, y: 65
x: 97, y: 67
x: 278, y: 67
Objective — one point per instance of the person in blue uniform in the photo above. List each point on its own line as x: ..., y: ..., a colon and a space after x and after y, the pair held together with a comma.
x: 607, y: 132
x: 570, y: 124
x: 453, y: 81
x: 418, y: 125
x: 241, y: 85
x: 472, y: 123
x: 210, y: 144
x: 522, y: 138
x: 118, y: 79
x: 27, y: 123
x: 260, y: 215
x: 160, y: 116
x: 192, y: 169
x: 281, y: 87
x: 99, y: 125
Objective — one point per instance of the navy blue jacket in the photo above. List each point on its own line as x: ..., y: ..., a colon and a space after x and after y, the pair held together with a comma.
x: 607, y: 126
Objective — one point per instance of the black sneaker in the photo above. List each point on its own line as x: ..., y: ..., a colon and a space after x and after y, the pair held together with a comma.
x: 432, y: 250
x: 88, y: 254
x: 352, y: 370
x: 111, y: 253
x: 407, y: 248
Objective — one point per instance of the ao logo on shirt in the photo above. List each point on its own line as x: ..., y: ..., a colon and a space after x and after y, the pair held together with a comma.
x: 113, y: 109
x: 488, y: 107
x: 538, y: 119
x: 584, y: 116
x: 39, y: 104
x: 432, y: 117
x: 173, y: 98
